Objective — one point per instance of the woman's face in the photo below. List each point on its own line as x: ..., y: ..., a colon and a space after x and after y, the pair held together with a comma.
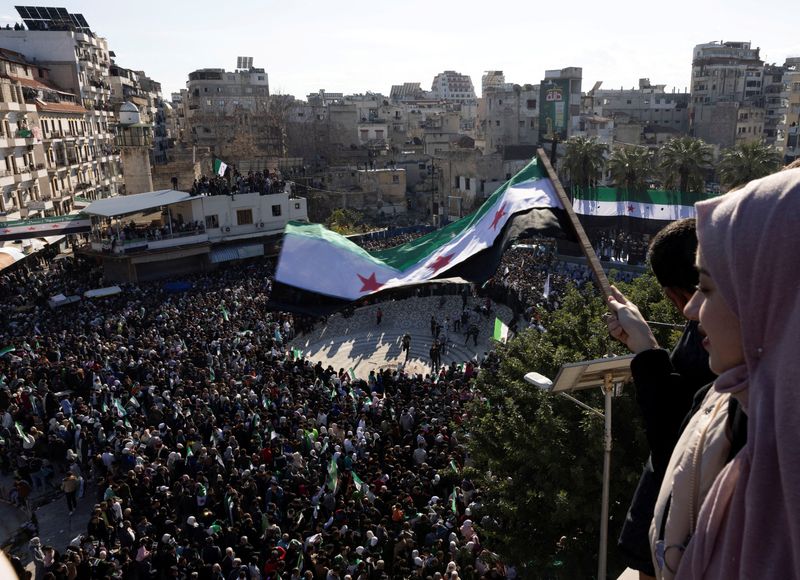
x: 718, y: 323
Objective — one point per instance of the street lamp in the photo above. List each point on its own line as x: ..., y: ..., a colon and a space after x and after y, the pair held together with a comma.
x: 603, y: 373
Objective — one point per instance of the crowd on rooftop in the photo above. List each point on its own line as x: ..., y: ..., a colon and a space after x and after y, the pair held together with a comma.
x: 263, y: 183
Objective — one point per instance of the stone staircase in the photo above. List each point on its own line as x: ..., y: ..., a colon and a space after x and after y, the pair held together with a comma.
x: 358, y: 342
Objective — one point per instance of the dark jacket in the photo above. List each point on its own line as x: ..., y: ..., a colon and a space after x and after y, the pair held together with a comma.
x: 666, y: 385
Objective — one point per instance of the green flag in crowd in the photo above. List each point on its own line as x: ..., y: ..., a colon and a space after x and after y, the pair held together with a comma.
x: 333, y: 476
x: 358, y: 481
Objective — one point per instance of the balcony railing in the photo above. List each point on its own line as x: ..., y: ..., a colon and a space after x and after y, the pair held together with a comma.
x: 106, y: 245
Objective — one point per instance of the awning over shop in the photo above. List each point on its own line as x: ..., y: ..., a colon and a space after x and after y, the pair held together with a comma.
x: 127, y: 204
x: 230, y: 253
x: 10, y: 256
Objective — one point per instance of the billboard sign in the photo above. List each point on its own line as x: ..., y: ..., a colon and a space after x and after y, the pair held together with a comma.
x: 553, y: 109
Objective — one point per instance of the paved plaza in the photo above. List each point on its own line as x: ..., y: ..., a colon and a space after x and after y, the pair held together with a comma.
x: 358, y: 342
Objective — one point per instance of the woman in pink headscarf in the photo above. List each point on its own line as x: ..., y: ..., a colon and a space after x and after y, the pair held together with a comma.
x: 748, y: 304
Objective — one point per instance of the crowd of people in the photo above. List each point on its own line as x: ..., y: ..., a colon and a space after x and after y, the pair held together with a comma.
x: 263, y: 183
x: 620, y: 246
x: 210, y: 450
x: 131, y: 231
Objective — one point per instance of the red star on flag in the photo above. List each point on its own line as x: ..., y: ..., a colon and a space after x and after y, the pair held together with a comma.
x: 31, y: 229
x: 54, y: 226
x: 369, y: 284
x: 6, y: 231
x: 499, y: 214
x: 441, y: 262
x: 630, y: 208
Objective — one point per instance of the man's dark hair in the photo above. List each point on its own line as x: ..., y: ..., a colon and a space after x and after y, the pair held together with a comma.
x: 672, y: 255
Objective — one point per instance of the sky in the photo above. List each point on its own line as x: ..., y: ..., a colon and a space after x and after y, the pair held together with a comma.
x: 356, y: 46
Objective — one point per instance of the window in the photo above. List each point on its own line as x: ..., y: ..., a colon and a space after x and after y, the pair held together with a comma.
x: 395, y: 179
x: 212, y: 221
x: 466, y: 183
x: 421, y: 165
x: 364, y: 134
x: 457, y: 181
x: 244, y: 217
x: 531, y: 103
x: 379, y: 133
x: 297, y: 205
x: 497, y: 123
x: 276, y: 210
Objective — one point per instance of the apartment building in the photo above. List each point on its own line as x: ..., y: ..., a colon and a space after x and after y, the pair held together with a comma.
x: 789, y: 129
x: 73, y: 100
x: 727, y: 96
x: 23, y: 175
x: 637, y: 112
x: 508, y: 114
x: 230, y: 113
x: 454, y: 87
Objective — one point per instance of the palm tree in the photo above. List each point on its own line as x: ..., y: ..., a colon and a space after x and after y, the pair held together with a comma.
x: 584, y: 160
x: 746, y: 162
x: 683, y: 161
x: 631, y: 167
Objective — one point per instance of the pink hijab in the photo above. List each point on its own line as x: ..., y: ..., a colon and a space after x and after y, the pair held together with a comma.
x: 749, y: 525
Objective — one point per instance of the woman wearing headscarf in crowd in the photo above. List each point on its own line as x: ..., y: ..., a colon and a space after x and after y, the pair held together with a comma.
x: 37, y: 557
x: 748, y: 303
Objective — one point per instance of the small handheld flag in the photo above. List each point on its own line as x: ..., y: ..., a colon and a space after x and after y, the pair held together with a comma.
x: 500, y: 331
x: 219, y: 167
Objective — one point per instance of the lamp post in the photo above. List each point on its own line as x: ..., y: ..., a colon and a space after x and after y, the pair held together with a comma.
x: 583, y: 375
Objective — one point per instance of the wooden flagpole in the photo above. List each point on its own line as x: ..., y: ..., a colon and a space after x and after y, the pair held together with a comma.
x: 583, y: 240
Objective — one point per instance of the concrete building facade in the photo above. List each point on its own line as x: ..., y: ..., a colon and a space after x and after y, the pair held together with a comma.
x: 727, y: 100
x: 790, y: 126
x: 454, y: 87
x: 230, y: 112
x: 646, y: 109
x: 78, y: 120
x: 508, y: 115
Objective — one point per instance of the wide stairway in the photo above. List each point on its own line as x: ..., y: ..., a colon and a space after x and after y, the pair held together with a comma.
x: 358, y: 342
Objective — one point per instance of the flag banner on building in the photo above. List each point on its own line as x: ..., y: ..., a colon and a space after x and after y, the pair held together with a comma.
x: 644, y: 211
x: 321, y: 271
x: 45, y: 227
x: 546, y: 289
x: 500, y: 331
x: 219, y: 167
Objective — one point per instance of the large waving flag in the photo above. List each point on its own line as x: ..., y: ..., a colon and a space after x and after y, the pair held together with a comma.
x: 319, y: 270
